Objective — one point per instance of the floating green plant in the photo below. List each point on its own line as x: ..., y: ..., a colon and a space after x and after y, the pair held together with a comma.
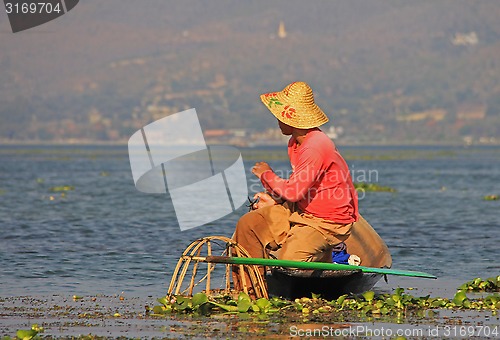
x: 369, y: 303
x: 393, y: 304
x: 491, y: 284
x: 200, y: 303
x: 490, y: 197
x: 28, y: 334
x: 62, y: 188
x: 372, y: 187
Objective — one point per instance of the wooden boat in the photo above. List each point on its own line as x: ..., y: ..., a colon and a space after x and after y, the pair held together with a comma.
x: 330, y: 284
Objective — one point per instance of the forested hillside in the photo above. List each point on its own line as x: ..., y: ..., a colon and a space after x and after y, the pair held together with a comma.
x: 384, y: 71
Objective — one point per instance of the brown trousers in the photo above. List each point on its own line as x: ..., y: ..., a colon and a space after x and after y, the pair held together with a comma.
x: 299, y: 237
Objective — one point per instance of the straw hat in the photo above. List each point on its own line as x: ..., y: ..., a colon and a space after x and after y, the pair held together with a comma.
x: 295, y: 106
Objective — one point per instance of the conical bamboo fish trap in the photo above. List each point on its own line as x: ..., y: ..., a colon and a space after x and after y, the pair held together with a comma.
x: 196, y: 252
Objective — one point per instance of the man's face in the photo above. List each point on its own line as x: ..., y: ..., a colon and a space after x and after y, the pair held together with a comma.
x: 285, y: 129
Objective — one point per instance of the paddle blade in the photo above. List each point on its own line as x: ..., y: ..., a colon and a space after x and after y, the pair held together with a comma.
x: 314, y: 266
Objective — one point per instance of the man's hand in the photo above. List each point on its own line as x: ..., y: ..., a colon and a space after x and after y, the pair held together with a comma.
x: 259, y: 168
x: 265, y: 200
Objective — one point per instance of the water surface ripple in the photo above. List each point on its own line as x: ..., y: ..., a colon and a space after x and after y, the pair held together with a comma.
x: 106, y: 237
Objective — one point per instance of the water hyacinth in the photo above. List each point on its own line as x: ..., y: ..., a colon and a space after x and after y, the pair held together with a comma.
x: 490, y: 197
x: 62, y: 188
x: 201, y: 304
x: 28, y: 334
x: 373, y: 187
x: 491, y: 284
x: 398, y: 304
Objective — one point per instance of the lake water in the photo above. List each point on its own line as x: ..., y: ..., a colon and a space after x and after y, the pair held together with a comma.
x: 105, y: 237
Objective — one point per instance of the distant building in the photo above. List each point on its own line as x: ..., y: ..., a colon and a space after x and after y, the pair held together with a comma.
x: 434, y: 114
x: 216, y: 133
x: 462, y: 39
x: 334, y: 132
x: 239, y: 133
x: 281, y: 30
x: 471, y: 111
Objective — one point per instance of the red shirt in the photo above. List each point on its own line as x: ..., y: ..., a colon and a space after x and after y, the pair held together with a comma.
x: 320, y: 182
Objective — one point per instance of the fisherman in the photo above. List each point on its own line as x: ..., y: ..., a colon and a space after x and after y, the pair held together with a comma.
x: 304, y: 216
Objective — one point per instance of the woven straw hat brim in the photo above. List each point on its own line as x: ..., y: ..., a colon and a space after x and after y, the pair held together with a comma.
x: 295, y: 106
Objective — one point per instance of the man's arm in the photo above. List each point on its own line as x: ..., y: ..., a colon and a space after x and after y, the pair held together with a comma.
x: 295, y: 188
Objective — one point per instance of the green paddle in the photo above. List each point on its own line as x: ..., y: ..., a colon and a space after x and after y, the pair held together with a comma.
x: 310, y: 265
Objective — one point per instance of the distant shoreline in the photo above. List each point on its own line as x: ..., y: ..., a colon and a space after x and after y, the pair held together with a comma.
x: 252, y: 145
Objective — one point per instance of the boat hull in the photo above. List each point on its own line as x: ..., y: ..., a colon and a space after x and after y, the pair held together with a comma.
x: 329, y: 284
